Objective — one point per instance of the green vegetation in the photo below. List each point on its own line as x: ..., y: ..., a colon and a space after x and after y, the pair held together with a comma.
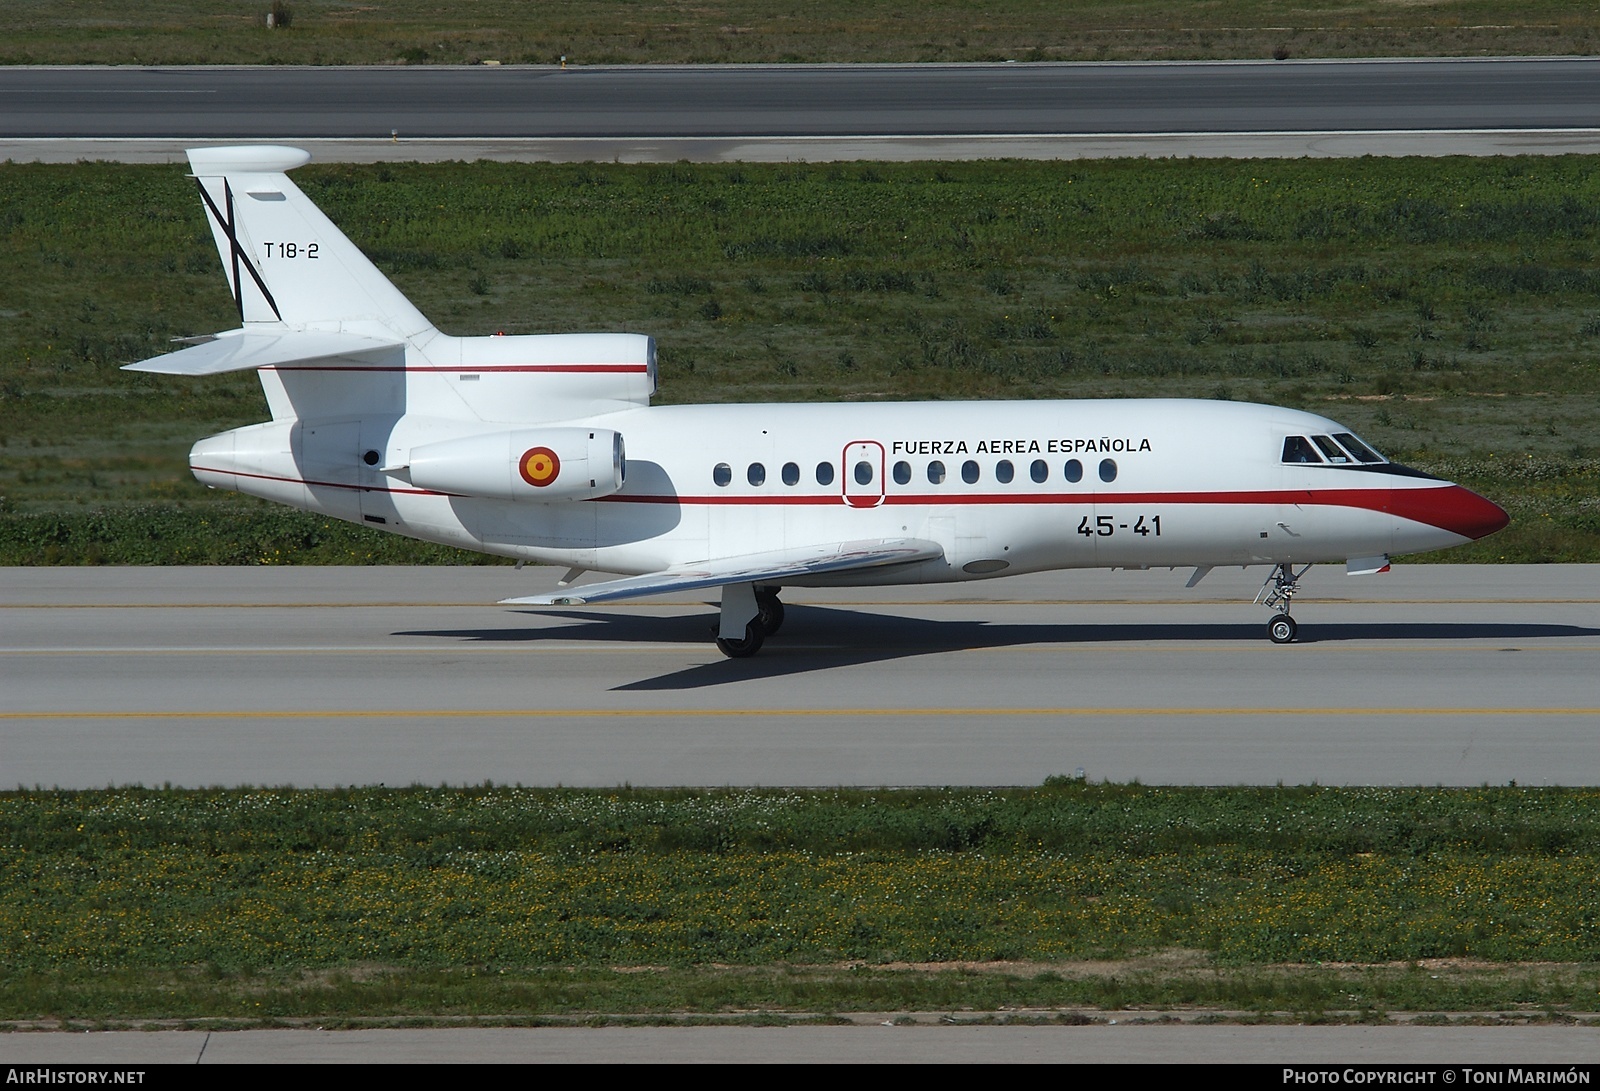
x: 522, y: 903
x: 742, y: 31
x: 1446, y: 309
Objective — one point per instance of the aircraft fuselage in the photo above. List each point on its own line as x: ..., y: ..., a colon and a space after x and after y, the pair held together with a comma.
x: 1001, y: 487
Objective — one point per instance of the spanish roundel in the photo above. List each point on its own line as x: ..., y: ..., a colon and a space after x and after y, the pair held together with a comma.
x: 539, y: 466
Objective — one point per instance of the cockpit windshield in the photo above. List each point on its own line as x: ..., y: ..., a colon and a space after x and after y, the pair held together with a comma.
x: 1357, y: 448
x: 1346, y: 451
x: 1299, y: 449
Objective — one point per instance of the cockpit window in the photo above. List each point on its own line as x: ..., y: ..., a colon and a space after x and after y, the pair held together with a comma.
x: 1299, y: 449
x: 1357, y: 448
x: 1331, y: 449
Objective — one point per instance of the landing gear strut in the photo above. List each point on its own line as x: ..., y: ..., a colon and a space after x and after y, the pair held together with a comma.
x: 758, y: 613
x: 1277, y: 594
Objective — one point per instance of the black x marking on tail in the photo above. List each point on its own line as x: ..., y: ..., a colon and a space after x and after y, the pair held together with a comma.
x: 238, y: 254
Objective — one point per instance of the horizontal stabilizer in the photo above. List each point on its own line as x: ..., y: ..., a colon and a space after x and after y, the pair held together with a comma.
x: 776, y: 567
x: 241, y: 350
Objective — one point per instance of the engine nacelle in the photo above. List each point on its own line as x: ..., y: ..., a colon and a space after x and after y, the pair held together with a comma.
x: 536, y: 464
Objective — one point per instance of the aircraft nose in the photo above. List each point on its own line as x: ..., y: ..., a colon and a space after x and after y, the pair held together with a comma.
x: 1450, y: 507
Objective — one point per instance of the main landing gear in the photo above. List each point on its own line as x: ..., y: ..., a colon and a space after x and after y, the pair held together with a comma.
x: 1277, y: 594
x: 769, y: 609
x: 764, y: 610
x: 754, y: 636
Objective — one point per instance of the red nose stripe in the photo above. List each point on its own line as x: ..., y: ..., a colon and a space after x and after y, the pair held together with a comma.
x: 1460, y: 511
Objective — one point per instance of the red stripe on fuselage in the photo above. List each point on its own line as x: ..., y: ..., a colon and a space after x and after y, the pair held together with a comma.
x: 574, y: 369
x: 1371, y: 499
x: 1448, y: 507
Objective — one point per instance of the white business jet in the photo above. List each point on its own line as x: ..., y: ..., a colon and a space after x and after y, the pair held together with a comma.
x: 515, y: 446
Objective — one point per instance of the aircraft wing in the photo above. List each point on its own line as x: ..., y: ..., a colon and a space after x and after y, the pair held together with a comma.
x: 776, y: 567
x: 239, y: 350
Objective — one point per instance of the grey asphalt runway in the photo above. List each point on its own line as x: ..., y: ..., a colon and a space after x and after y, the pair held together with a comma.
x: 775, y: 113
x: 815, y: 100
x: 1428, y: 675
x: 886, y: 149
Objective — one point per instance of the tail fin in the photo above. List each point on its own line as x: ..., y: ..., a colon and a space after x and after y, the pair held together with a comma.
x: 333, y: 340
x: 286, y: 262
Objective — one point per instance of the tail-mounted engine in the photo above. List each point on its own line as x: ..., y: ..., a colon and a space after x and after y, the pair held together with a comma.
x: 536, y: 464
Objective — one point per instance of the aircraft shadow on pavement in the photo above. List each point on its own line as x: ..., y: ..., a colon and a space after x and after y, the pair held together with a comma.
x: 817, y: 638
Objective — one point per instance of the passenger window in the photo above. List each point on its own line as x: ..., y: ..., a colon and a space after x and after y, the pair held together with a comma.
x: 1039, y: 471
x: 756, y: 474
x: 722, y: 474
x: 1299, y: 449
x: 1357, y: 448
x: 1108, y: 470
x: 936, y: 473
x: 1330, y: 448
x: 1003, y: 471
x: 863, y: 473
x: 902, y: 473
x: 969, y: 472
x: 791, y: 474
x: 824, y: 473
x: 1072, y: 471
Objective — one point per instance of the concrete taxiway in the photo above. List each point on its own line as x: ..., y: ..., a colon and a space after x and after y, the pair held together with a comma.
x: 317, y: 676
x: 1494, y: 1046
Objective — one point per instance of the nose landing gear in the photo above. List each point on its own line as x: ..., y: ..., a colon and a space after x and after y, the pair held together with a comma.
x: 1277, y: 594
x: 1282, y: 629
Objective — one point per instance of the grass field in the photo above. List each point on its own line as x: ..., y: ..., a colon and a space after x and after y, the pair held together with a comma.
x: 518, y: 903
x: 746, y: 31
x: 1448, y: 310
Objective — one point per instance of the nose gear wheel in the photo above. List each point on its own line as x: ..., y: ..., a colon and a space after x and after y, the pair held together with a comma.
x: 1282, y: 629
x: 1277, y: 593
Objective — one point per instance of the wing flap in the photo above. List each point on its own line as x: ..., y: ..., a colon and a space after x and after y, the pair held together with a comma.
x: 241, y: 350
x: 773, y: 567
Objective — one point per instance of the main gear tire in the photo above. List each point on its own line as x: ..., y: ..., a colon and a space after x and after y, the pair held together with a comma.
x: 769, y: 611
x: 754, y: 634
